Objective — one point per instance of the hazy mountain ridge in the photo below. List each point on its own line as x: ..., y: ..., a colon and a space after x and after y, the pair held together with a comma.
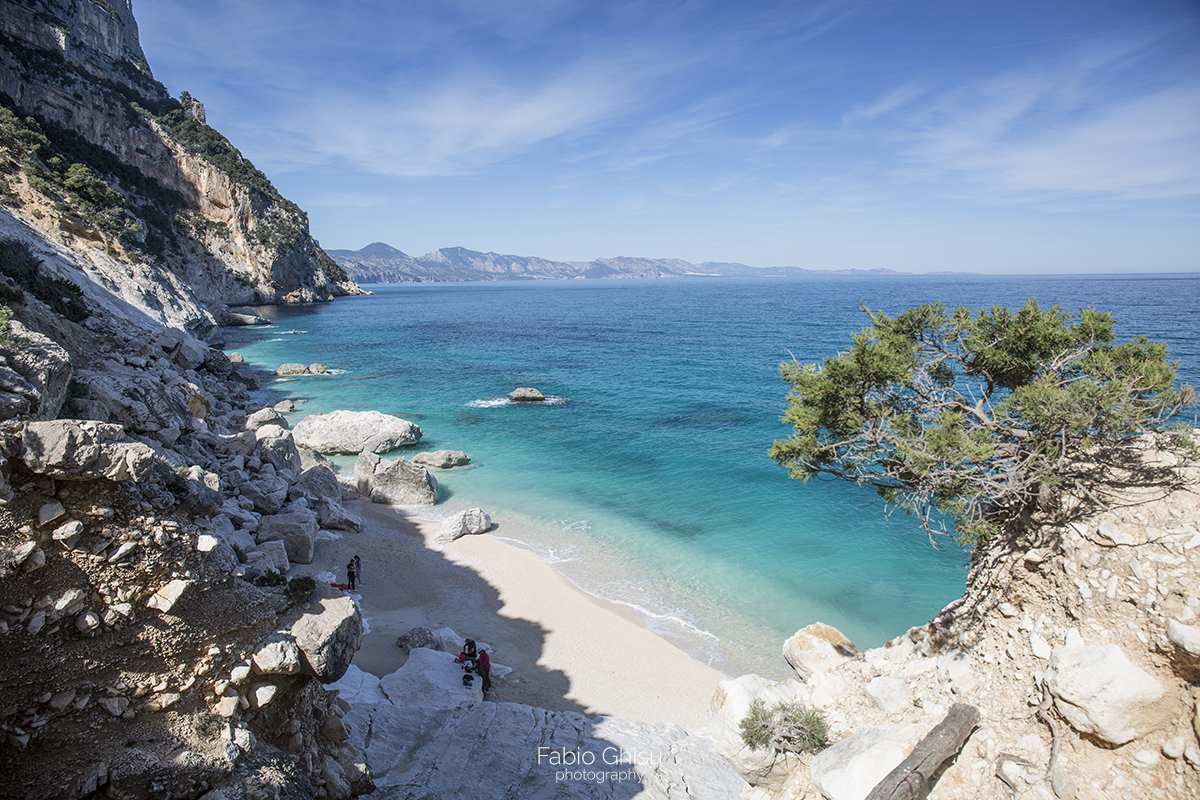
x: 381, y: 263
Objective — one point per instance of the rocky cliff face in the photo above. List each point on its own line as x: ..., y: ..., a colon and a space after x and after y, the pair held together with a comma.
x: 1078, y: 642
x: 177, y: 196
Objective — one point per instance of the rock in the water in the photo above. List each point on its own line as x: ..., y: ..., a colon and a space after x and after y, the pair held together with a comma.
x: 464, y: 523
x: 442, y: 459
x: 817, y: 647
x: 1100, y: 691
x: 526, y: 394
x: 317, y: 369
x: 328, y: 636
x: 291, y: 369
x: 850, y: 769
x: 349, y: 432
x: 400, y: 482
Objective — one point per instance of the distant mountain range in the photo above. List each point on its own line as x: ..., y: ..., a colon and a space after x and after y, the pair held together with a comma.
x: 381, y: 263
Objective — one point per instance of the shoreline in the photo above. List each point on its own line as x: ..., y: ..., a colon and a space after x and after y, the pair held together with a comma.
x: 569, y: 650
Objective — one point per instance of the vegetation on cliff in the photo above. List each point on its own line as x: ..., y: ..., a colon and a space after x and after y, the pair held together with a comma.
x: 977, y: 420
x: 19, y: 265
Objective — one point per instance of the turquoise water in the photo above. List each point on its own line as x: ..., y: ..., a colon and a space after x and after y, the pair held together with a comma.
x: 645, y: 479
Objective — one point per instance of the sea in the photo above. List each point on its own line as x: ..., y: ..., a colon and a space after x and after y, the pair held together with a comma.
x: 644, y: 477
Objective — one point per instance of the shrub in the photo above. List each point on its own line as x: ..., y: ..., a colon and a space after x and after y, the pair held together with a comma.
x: 270, y: 578
x: 301, y: 588
x: 786, y: 727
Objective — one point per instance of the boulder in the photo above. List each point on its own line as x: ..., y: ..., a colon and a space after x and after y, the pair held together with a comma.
x: 264, y: 416
x: 268, y: 493
x: 279, y: 657
x: 329, y: 635
x: 417, y: 637
x: 182, y: 349
x: 400, y: 482
x: 817, y: 647
x: 203, y: 492
x: 276, y: 552
x: 297, y: 531
x: 317, y: 369
x: 277, y: 448
x: 526, y: 395
x: 44, y: 365
x: 464, y: 523
x: 851, y: 768
x: 167, y: 596
x: 1100, y: 691
x: 291, y: 369
x: 243, y: 315
x: 442, y: 459
x: 84, y: 451
x: 349, y: 432
x: 319, y: 481
x: 332, y: 514
x: 137, y: 399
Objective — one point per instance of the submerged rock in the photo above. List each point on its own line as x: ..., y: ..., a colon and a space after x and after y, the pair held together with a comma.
x: 442, y: 459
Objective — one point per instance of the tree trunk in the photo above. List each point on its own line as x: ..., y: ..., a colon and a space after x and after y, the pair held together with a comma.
x: 914, y: 778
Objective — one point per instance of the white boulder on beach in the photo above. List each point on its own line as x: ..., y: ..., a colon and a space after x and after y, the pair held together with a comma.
x: 349, y: 432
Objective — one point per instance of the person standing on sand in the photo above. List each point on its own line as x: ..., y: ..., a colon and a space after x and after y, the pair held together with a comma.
x: 357, y: 562
x: 484, y: 668
x: 351, y: 575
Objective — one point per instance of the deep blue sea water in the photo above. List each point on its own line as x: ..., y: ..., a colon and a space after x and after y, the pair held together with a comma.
x: 645, y: 479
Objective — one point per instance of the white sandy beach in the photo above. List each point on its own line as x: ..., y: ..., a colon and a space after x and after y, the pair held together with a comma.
x: 569, y: 650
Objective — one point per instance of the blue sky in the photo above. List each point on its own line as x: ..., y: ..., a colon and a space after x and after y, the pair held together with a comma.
x: 988, y: 135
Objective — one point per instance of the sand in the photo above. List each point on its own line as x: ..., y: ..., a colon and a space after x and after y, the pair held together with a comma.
x: 569, y: 650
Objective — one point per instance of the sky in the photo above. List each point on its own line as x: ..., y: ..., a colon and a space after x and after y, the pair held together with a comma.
x: 994, y: 136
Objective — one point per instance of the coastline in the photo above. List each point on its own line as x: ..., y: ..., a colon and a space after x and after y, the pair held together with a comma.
x: 569, y: 650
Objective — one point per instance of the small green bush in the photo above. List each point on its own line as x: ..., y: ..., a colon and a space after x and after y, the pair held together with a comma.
x: 270, y: 578
x: 784, y: 726
x: 240, y: 553
x: 301, y: 588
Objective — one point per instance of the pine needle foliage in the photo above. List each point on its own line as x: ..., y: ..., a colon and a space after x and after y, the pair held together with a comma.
x: 786, y: 727
x: 975, y: 421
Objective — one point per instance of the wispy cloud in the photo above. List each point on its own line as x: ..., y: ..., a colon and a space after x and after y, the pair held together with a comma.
x: 1077, y: 128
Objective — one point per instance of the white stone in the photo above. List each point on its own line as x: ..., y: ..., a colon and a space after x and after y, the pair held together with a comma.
x: 1173, y: 747
x: 817, y: 647
x: 850, y: 769
x: 1099, y: 690
x: 892, y: 695
x: 464, y: 523
x: 1184, y: 637
x: 239, y: 673
x: 281, y: 657
x: 1041, y: 648
x: 167, y: 596
x: 264, y: 694
x: 50, y: 512
x: 206, y: 542
x: 87, y: 622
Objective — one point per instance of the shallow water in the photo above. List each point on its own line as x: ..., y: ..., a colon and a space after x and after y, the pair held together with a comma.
x: 645, y: 479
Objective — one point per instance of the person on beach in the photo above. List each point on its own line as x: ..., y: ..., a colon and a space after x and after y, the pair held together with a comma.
x: 351, y: 575
x: 484, y: 668
x: 357, y: 562
x: 478, y: 660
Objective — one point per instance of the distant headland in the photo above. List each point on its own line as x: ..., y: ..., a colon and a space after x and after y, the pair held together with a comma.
x: 382, y: 263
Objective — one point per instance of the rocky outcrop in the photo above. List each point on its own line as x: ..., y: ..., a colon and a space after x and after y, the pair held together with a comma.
x: 34, y: 376
x: 349, y: 432
x: 1073, y: 642
x: 421, y: 718
x: 328, y: 634
x: 398, y: 482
